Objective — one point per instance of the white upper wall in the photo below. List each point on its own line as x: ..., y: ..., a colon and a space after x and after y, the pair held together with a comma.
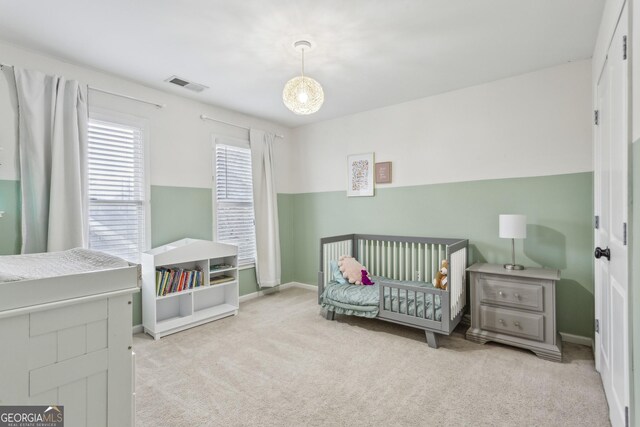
x: 635, y: 73
x: 529, y: 125
x: 180, y: 142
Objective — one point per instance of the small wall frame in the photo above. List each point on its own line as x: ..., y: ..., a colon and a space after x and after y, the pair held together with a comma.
x: 383, y: 173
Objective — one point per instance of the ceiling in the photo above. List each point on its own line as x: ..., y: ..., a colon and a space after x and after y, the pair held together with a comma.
x: 369, y: 53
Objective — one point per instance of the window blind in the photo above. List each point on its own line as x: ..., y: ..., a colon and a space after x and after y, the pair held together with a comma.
x: 116, y: 189
x: 234, y: 200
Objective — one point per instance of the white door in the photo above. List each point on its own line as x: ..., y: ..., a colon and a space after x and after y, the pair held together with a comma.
x: 610, y: 187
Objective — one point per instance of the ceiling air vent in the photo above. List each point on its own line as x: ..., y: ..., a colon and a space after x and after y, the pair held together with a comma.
x: 195, y: 87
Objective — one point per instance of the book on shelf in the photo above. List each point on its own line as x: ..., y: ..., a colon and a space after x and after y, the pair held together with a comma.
x: 220, y: 279
x: 218, y: 267
x: 173, y: 279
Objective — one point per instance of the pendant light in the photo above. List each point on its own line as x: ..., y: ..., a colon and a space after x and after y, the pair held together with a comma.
x: 302, y: 94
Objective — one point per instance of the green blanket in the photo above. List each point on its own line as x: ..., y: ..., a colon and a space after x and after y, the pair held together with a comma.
x: 364, y: 301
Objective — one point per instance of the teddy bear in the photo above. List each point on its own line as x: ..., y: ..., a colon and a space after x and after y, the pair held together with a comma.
x: 440, y: 281
x: 351, y: 269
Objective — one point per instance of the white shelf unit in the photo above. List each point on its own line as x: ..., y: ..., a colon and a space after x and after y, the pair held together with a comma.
x: 177, y: 311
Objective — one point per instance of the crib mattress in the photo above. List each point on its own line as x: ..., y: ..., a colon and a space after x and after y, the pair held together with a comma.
x: 364, y: 301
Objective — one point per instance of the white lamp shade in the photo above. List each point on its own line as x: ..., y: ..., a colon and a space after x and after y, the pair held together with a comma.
x: 513, y: 226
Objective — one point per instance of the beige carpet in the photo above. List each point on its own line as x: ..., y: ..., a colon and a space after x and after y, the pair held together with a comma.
x: 280, y: 363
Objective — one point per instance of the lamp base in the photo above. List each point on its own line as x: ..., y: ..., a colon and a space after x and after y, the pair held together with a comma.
x: 513, y: 267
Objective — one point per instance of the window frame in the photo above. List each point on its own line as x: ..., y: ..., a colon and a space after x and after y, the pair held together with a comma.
x: 240, y: 143
x: 106, y: 115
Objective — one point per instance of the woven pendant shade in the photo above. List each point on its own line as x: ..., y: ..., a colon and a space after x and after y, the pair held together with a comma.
x: 302, y: 94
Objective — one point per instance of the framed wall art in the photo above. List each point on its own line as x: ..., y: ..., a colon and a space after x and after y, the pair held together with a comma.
x: 383, y: 173
x: 360, y: 174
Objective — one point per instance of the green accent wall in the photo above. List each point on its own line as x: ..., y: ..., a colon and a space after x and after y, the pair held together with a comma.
x: 10, y: 222
x: 286, y: 217
x: 559, y: 235
x: 179, y: 212
x: 559, y: 210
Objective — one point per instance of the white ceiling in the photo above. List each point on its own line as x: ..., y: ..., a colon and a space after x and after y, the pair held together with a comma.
x: 369, y: 54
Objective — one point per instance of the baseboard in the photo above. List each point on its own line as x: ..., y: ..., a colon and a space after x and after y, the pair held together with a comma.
x: 302, y: 285
x: 275, y: 289
x: 577, y: 339
x: 260, y: 293
x: 137, y: 329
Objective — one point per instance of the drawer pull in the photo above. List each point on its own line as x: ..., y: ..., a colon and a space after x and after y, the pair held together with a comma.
x: 501, y: 293
x: 517, y: 296
x: 502, y: 322
x: 517, y: 324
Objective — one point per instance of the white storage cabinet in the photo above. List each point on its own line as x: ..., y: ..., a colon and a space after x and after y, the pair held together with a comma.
x: 66, y: 340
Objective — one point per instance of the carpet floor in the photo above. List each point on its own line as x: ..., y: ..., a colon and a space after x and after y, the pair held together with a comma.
x: 280, y: 363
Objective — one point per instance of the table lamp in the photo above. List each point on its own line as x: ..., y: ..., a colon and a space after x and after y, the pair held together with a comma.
x: 513, y: 227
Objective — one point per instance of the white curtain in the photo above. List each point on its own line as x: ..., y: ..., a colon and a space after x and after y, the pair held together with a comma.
x: 53, y: 149
x: 265, y: 204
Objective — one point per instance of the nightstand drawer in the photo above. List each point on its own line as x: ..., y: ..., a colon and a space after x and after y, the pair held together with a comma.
x: 511, y: 322
x: 519, y: 294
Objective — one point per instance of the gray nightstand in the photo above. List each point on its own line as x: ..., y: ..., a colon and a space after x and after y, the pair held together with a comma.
x: 515, y: 307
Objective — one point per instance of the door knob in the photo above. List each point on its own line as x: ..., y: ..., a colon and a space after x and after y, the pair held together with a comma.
x: 602, y: 253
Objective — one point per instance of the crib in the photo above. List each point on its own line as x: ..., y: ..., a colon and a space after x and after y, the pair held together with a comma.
x: 404, y: 267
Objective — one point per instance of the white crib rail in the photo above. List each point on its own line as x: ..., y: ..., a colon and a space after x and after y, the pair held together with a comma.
x: 332, y: 252
x: 457, y: 283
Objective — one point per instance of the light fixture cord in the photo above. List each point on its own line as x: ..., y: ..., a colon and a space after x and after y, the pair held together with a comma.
x: 302, y: 63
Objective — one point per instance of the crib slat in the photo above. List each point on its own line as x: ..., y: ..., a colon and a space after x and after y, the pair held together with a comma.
x: 400, y: 258
x: 415, y: 304
x: 406, y: 261
x: 392, y: 264
x: 427, y: 270
x: 367, y: 248
x: 421, y: 273
x: 414, y: 261
x: 388, y: 259
x: 373, y: 256
x: 424, y: 305
x: 384, y: 259
x: 406, y: 302
x: 434, y: 268
x: 364, y: 253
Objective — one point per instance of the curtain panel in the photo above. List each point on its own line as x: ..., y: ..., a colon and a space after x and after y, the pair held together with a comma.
x: 52, y: 131
x: 265, y: 204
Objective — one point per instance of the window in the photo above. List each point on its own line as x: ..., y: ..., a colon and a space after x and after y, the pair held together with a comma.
x: 117, y: 206
x: 234, y: 200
